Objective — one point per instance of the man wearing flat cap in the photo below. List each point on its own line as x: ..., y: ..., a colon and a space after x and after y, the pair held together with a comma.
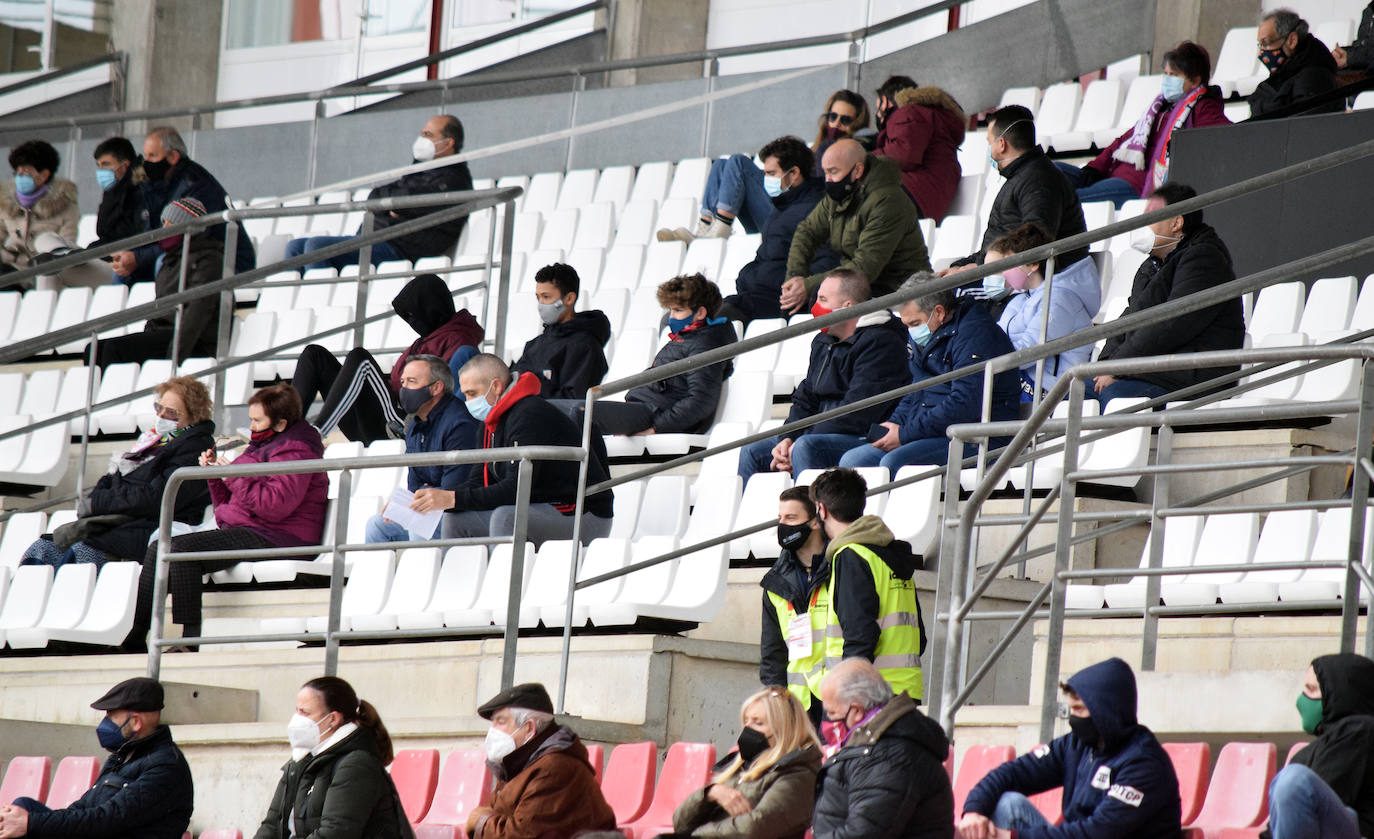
x: 144, y: 789
x: 545, y: 786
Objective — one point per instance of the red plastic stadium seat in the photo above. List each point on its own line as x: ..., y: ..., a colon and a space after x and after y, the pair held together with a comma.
x: 1297, y: 747
x: 222, y: 833
x: 596, y: 756
x: 73, y: 777
x: 464, y: 784
x: 977, y: 762
x: 1238, y: 795
x: 1190, y: 765
x: 26, y: 776
x: 628, y: 784
x: 686, y: 769
x: 1240, y: 833
x: 415, y: 773
x: 1050, y: 803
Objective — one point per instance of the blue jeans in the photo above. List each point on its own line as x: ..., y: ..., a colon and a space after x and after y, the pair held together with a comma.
x: 1126, y: 389
x: 930, y: 451
x: 1114, y: 190
x: 735, y: 186
x: 1014, y: 811
x: 381, y: 251
x: 809, y: 451
x: 382, y: 530
x: 1302, y: 806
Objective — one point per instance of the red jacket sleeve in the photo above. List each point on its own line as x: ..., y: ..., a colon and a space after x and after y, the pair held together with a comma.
x: 908, y: 133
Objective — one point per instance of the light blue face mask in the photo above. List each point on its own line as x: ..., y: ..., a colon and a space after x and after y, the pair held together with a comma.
x: 772, y: 186
x: 994, y: 288
x: 23, y: 184
x: 106, y: 178
x: 1171, y: 87
x: 478, y: 406
x: 920, y: 335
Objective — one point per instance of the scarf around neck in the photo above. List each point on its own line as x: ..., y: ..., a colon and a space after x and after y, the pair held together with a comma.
x: 27, y: 201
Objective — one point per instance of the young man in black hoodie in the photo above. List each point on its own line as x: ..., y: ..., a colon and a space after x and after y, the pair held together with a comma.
x: 569, y: 356
x: 1327, y: 790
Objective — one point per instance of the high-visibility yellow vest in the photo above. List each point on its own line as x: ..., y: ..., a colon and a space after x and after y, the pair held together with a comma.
x: 898, y: 654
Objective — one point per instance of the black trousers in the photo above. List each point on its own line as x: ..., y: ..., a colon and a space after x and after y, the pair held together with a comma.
x: 139, y: 346
x: 610, y: 416
x: 356, y: 394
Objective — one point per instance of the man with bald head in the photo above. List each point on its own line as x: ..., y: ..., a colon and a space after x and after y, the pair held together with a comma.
x: 442, y: 136
x: 865, y: 217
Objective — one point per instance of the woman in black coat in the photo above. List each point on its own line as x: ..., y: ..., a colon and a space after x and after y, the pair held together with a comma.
x: 336, y: 785
x: 118, y: 516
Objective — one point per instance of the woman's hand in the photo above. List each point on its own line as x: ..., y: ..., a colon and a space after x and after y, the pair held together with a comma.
x: 730, y: 799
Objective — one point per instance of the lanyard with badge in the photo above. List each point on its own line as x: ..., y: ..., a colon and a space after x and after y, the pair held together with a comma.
x: 799, y: 632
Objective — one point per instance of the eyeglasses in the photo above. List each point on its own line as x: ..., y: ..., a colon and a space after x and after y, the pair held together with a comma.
x: 165, y: 412
x: 1269, y: 45
x: 842, y: 119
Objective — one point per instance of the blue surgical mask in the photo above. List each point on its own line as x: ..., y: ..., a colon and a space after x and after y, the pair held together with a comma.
x: 23, y: 184
x: 106, y: 178
x: 478, y: 406
x: 772, y: 186
x: 111, y: 735
x: 994, y: 287
x: 920, y: 335
x: 1171, y: 87
x: 676, y: 325
x: 992, y: 159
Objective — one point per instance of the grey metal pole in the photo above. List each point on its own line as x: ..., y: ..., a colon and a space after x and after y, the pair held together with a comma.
x: 1038, y: 391
x: 1149, y: 631
x: 503, y: 298
x: 174, y: 351
x: 339, y: 536
x: 226, y: 314
x: 955, y: 557
x: 1359, y: 501
x: 578, y: 511
x: 360, y: 299
x: 86, y: 420
x: 160, y: 573
x: 1062, y: 557
x: 525, y: 473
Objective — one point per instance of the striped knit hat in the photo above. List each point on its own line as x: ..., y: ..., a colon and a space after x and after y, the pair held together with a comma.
x: 182, y: 210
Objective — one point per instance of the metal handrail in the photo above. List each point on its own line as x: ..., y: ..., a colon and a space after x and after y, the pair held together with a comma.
x: 61, y: 72
x: 337, y: 543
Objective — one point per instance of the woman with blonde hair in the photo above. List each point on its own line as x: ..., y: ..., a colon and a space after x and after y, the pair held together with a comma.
x: 844, y: 116
x: 766, y: 790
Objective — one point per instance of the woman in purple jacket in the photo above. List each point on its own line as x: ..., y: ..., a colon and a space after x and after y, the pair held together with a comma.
x: 253, y: 511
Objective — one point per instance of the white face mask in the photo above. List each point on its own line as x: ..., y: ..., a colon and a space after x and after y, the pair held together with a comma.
x: 1144, y: 240
x: 163, y: 427
x: 498, y: 744
x: 302, y: 732
x: 422, y: 149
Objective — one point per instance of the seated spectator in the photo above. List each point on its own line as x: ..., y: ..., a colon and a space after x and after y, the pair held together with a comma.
x: 886, y: 775
x: 850, y: 361
x: 199, y: 336
x: 921, y: 129
x: 545, y: 785
x: 1035, y: 192
x: 1300, y: 66
x: 116, y: 517
x: 1118, y: 781
x: 172, y: 175
x: 122, y: 213
x: 252, y: 512
x: 1185, y: 256
x: 845, y: 115
x: 569, y: 356
x: 336, y: 782
x: 794, y: 193
x: 144, y: 789
x: 767, y: 788
x: 38, y: 214
x: 802, y: 570
x: 441, y: 137
x: 356, y: 399
x: 514, y: 414
x: 1074, y: 300
x: 866, y: 218
x: 1358, y: 55
x: 1137, y: 162
x: 681, y: 404
x: 438, y: 423
x: 1327, y: 789
x: 946, y: 335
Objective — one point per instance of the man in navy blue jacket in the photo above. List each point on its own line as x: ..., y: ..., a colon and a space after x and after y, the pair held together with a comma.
x: 1118, y: 781
x: 944, y: 336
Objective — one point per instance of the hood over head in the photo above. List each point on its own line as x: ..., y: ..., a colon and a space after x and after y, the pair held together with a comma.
x: 1108, y: 689
x: 1347, y: 684
x: 425, y: 304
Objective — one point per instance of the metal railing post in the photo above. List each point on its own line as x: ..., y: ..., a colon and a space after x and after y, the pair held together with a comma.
x: 1159, y: 525
x: 1359, y: 502
x: 161, y: 570
x: 360, y: 299
x: 955, y: 557
x: 225, y: 320
x: 1063, y: 555
x: 519, y: 538
x: 581, y: 508
x: 94, y: 350
x: 503, y: 298
x: 174, y: 351
x: 338, y: 536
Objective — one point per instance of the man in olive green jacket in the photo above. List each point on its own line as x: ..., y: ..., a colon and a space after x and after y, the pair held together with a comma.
x: 865, y: 217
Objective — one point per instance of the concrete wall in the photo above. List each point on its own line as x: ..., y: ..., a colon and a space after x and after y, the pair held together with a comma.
x: 173, y: 49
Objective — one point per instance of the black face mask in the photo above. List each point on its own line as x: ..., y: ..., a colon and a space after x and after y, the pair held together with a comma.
x: 156, y: 170
x: 793, y: 536
x: 752, y: 743
x: 1086, y: 731
x: 839, y: 191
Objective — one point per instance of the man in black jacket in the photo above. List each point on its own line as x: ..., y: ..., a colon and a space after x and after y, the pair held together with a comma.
x: 144, y: 789
x: 1186, y: 256
x: 850, y: 361
x: 1300, y: 66
x: 569, y: 356
x: 886, y: 776
x: 802, y: 570
x: 513, y: 413
x: 788, y: 164
x: 122, y: 212
x: 1328, y: 788
x: 442, y: 136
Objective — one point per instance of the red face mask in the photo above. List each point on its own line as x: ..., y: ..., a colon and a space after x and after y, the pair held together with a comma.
x: 817, y: 310
x: 264, y: 435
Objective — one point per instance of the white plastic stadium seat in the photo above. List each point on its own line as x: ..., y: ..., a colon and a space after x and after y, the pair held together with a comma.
x: 1277, y: 310
x: 1237, y: 69
x: 455, y: 588
x: 1330, y: 303
x: 1227, y: 539
x: 1028, y: 97
x: 1101, y: 105
x: 492, y: 599
x: 759, y: 504
x: 642, y: 588
x: 601, y: 557
x: 1058, y: 109
x: 1287, y: 537
x: 26, y: 598
x: 111, y: 613
x: 67, y: 602
x: 411, y: 589
x: 1181, y: 534
x: 1331, y: 544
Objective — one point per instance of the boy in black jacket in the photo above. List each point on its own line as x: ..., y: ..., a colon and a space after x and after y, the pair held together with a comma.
x: 569, y: 356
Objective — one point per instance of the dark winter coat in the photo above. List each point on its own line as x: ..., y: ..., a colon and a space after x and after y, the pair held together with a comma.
x: 139, y: 493
x: 1359, y: 55
x: 343, y: 792
x: 523, y: 418
x: 969, y: 337
x: 200, y: 319
x: 144, y: 791
x: 923, y: 134
x: 687, y: 403
x: 759, y: 283
x: 1209, y: 109
x: 781, y: 800
x: 867, y: 363
x: 1309, y: 71
x: 1343, y: 753
x: 286, y: 510
x: 431, y: 241
x: 122, y: 211
x: 546, y: 789
x: 889, y: 780
x: 568, y: 357
x: 448, y: 428
x: 1035, y: 191
x: 189, y: 179
x: 426, y: 304
x: 1200, y: 261
x: 1126, y: 790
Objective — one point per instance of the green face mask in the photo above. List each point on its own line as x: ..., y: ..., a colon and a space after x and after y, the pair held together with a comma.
x: 1311, y: 712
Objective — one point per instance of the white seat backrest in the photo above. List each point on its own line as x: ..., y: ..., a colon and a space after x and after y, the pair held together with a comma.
x: 626, y: 508
x: 1330, y: 304
x: 703, y: 257
x: 662, y: 262
x: 27, y: 596
x: 649, y: 585
x: 1277, y: 310
x: 549, y: 582
x: 70, y: 595
x: 623, y: 266
x: 1058, y: 108
x: 1333, y: 535
x: 1227, y: 539
x: 542, y: 194
x: 1142, y: 92
x: 579, y: 185
x: 460, y: 578
x: 496, y: 584
x: 1181, y: 534
x: 614, y: 185
x: 714, y: 510
x: 663, y: 509
x: 369, y: 582
x: 1238, y: 58
x: 1028, y: 97
x: 413, y: 585
x: 1287, y: 536
x: 601, y: 557
x: 1101, y: 104
x: 651, y: 182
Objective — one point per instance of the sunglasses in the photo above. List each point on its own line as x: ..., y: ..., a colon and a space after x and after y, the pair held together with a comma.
x: 842, y: 119
x: 165, y: 412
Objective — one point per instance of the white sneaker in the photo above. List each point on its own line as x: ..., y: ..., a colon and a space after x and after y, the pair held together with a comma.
x: 717, y: 230
x: 682, y: 234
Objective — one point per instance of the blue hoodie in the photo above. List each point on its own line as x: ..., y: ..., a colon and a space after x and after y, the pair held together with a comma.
x: 1126, y: 791
x: 1074, y: 300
